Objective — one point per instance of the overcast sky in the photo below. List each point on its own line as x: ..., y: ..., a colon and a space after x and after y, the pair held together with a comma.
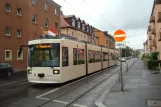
x: 132, y: 16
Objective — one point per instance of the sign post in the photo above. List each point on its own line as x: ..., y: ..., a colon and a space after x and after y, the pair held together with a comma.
x: 119, y: 37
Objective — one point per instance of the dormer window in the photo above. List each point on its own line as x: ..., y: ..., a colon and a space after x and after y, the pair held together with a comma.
x: 78, y: 24
x: 87, y: 29
x: 83, y: 26
x: 73, y: 22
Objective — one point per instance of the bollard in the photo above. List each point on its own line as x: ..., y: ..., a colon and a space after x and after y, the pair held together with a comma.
x: 127, y: 67
x: 121, y: 76
x: 159, y: 68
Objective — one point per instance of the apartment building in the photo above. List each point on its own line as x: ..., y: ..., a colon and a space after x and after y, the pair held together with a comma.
x: 105, y: 39
x: 75, y: 27
x: 154, y: 28
x: 21, y: 21
x: 146, y: 49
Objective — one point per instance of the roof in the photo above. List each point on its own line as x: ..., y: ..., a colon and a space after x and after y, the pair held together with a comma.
x: 63, y: 22
x: 68, y: 16
x: 52, y: 1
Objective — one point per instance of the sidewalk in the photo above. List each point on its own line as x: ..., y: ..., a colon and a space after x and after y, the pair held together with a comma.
x: 142, y: 88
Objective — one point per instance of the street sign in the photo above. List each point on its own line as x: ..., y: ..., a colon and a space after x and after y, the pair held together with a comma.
x: 120, y: 44
x: 119, y: 36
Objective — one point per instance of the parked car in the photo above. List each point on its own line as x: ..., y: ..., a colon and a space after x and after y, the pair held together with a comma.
x: 122, y: 59
x: 6, y: 69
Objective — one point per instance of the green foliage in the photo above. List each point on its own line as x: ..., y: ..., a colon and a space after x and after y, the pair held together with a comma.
x: 154, y: 64
x: 154, y: 55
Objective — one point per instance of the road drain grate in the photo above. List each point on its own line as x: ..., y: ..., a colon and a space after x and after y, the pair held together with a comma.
x: 154, y: 103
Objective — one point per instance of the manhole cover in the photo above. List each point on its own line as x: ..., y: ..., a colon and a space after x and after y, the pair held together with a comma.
x: 155, y: 73
x: 154, y: 103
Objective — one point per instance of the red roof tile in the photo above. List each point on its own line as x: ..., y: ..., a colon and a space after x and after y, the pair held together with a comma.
x: 63, y: 22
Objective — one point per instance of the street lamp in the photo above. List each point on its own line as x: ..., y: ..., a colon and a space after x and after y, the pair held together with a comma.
x: 125, y: 47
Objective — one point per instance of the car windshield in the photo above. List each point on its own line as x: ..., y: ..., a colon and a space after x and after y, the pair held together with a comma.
x: 44, y: 55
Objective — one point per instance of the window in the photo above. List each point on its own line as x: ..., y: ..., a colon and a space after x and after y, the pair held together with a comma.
x: 33, y: 18
x: 97, y: 56
x: 75, y: 56
x: 8, y: 8
x: 34, y: 2
x: 56, y: 25
x: 90, y: 56
x: 72, y: 33
x: 105, y: 56
x: 56, y: 12
x: 78, y: 24
x: 20, y: 57
x: 19, y: 12
x: 83, y: 26
x: 80, y: 56
x: 73, y: 22
x: 78, y: 35
x: 46, y: 23
x: 87, y: 29
x: 64, y: 56
x: 8, y: 31
x: 46, y: 6
x: 8, y: 55
x: 19, y: 33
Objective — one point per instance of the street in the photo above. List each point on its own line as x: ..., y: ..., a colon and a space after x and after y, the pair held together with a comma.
x: 83, y: 92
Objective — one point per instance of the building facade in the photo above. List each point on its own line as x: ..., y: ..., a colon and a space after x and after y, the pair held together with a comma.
x: 154, y: 29
x: 21, y: 21
x: 105, y: 39
x: 146, y: 47
x: 75, y: 27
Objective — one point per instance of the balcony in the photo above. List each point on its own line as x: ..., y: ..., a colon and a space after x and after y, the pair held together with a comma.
x: 149, y: 28
x: 153, y: 31
x: 159, y: 17
x: 158, y: 2
x: 152, y: 19
x: 150, y: 38
x: 159, y: 36
x: 154, y: 43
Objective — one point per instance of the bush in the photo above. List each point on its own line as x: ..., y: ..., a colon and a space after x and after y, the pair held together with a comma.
x: 154, y: 64
x: 154, y: 55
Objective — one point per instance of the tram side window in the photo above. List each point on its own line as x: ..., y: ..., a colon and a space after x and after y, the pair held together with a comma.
x: 80, y: 56
x: 97, y: 56
x: 105, y: 56
x: 65, y: 56
x: 94, y: 56
x: 90, y: 56
x: 75, y: 56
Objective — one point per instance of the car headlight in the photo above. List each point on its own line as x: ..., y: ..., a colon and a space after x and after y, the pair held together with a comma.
x: 29, y: 71
x: 56, y: 72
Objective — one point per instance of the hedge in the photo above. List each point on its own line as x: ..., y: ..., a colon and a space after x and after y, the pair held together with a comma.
x: 154, y: 64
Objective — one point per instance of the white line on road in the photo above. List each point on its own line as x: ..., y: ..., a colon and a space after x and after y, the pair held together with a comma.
x: 60, y: 102
x: 40, y: 96
x: 77, y: 105
x: 12, y: 83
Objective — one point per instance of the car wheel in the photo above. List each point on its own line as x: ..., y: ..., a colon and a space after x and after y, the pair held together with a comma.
x: 9, y: 73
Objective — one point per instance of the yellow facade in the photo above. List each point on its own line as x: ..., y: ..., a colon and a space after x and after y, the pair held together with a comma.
x: 100, y: 34
x: 76, y: 33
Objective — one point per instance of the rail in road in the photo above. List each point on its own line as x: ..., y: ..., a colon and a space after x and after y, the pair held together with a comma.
x: 76, y: 90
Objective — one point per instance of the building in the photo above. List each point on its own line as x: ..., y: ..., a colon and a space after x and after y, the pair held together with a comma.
x: 75, y: 27
x: 146, y: 47
x: 105, y: 39
x: 154, y: 28
x: 21, y: 21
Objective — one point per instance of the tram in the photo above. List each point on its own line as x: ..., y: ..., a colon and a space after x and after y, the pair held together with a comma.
x: 61, y: 60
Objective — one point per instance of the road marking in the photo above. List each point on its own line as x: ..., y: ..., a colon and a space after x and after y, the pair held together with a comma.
x: 11, y: 83
x: 77, y: 105
x: 40, y: 96
x: 44, y: 98
x: 60, y: 102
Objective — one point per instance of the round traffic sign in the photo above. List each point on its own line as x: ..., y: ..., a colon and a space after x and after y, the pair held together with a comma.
x: 119, y: 35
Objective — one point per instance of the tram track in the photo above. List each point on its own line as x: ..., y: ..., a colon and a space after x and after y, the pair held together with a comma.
x: 55, y: 98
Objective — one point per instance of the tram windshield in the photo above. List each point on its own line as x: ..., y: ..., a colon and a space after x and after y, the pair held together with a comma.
x: 44, y: 55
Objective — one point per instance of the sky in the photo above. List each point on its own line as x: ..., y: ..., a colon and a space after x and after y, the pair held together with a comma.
x: 132, y: 16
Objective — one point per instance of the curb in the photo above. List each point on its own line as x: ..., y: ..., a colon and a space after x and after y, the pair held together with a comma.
x: 99, y: 102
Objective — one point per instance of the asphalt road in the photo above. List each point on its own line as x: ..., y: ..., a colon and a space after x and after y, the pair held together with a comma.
x: 20, y: 93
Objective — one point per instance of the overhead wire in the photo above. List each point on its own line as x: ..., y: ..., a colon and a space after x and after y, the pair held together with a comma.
x: 80, y: 12
x: 98, y: 14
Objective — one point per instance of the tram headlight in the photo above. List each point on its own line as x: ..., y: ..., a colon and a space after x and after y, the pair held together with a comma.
x: 56, y: 72
x: 29, y: 71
